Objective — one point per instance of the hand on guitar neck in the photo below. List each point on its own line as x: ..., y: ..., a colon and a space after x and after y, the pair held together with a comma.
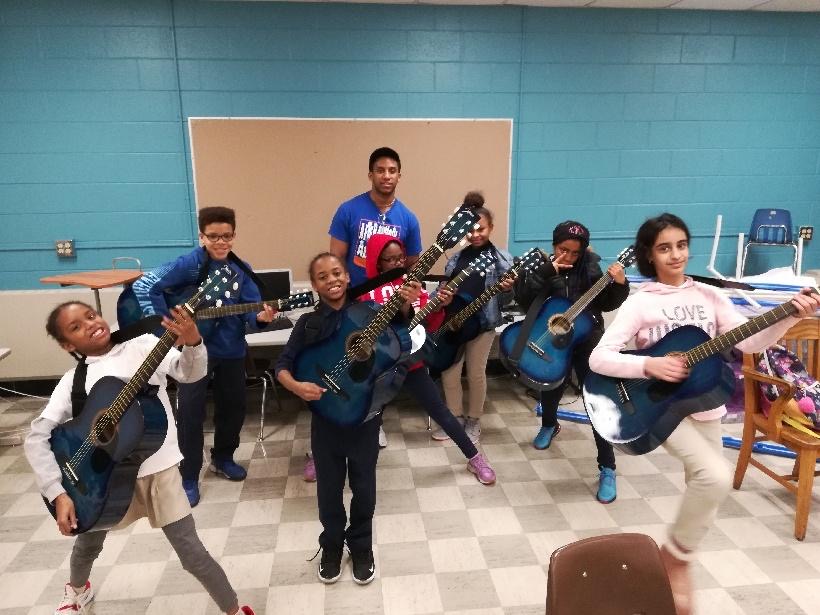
x: 409, y: 292
x: 183, y: 326
x: 267, y: 314
x: 673, y: 368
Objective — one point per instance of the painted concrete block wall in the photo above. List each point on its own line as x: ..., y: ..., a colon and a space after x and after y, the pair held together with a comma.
x: 618, y: 114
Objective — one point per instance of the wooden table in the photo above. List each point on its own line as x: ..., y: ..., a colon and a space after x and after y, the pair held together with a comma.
x: 95, y: 280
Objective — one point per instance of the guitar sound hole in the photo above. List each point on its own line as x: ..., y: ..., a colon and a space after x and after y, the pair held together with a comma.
x: 357, y: 348
x: 104, y: 430
x: 559, y: 325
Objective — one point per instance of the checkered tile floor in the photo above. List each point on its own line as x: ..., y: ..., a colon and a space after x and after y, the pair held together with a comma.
x: 444, y: 543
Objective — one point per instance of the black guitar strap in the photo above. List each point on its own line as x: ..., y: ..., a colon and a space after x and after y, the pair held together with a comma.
x: 78, y: 394
x: 527, y: 325
x: 355, y: 292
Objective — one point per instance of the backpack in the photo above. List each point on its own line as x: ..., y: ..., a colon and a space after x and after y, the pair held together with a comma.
x: 780, y: 362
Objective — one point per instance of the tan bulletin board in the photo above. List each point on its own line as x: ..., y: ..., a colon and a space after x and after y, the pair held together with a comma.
x: 286, y: 177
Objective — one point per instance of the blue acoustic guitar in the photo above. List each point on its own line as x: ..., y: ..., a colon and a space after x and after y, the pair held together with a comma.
x: 478, y: 265
x: 638, y: 415
x: 121, y: 424
x: 557, y: 329
x: 356, y: 364
x: 445, y: 346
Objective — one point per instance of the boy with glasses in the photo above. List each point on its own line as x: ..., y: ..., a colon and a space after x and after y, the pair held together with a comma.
x: 171, y: 283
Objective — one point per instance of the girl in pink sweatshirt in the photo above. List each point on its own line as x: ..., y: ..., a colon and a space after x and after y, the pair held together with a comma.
x: 669, y: 301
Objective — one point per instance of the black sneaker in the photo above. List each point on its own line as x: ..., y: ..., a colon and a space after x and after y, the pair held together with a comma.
x: 364, y: 566
x: 330, y: 566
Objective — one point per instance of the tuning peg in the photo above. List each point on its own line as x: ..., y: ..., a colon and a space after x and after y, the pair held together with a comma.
x: 218, y: 303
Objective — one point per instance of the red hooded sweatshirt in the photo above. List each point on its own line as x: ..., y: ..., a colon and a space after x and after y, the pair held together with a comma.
x: 382, y: 294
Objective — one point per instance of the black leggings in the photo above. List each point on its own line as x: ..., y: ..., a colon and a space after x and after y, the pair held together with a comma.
x: 419, y: 384
x: 551, y: 399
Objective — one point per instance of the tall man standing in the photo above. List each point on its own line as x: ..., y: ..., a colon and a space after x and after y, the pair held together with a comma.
x: 372, y: 212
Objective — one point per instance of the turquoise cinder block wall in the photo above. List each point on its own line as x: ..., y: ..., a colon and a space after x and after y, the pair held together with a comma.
x: 618, y: 114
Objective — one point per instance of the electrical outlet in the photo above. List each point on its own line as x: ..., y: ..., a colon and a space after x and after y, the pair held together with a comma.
x: 806, y: 232
x: 65, y: 248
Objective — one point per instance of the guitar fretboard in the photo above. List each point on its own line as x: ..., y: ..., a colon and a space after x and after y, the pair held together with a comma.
x: 433, y: 304
x: 461, y: 317
x: 374, y: 329
x: 739, y: 333
x: 239, y: 308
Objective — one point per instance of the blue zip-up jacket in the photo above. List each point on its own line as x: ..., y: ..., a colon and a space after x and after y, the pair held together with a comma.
x: 178, y: 279
x: 491, y: 311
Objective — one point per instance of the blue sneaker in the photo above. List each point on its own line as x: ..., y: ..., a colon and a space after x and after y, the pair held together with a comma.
x: 545, y: 435
x: 191, y: 488
x: 538, y: 411
x: 228, y: 468
x: 606, y: 486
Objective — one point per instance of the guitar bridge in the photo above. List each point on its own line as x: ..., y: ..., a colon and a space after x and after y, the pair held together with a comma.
x: 622, y: 392
x: 540, y: 352
x: 70, y: 474
x: 331, y: 385
x: 536, y: 349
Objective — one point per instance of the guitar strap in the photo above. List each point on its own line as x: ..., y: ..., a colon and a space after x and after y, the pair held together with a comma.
x: 355, y: 292
x: 78, y: 394
x: 527, y: 325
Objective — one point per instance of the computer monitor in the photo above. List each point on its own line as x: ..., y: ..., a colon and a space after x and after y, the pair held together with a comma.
x: 277, y: 283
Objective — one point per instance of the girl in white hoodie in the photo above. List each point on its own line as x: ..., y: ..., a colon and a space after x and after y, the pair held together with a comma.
x: 669, y: 301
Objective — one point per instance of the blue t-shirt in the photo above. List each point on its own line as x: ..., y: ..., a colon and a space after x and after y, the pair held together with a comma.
x: 359, y: 219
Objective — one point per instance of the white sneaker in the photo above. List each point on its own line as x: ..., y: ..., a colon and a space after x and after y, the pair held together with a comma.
x: 74, y: 601
x: 441, y: 435
x: 473, y: 428
x: 382, y: 438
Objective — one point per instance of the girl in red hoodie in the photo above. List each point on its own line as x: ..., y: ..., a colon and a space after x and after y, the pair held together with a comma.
x: 384, y: 253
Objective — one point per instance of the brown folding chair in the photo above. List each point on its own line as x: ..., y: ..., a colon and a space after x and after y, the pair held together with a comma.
x: 616, y: 574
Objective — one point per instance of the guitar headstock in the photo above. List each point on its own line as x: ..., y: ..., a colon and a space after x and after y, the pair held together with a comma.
x: 303, y: 298
x: 480, y: 264
x: 456, y: 228
x: 627, y: 257
x: 220, y: 283
x: 531, y: 260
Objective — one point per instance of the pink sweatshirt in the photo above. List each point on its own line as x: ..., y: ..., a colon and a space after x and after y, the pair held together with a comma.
x: 655, y: 309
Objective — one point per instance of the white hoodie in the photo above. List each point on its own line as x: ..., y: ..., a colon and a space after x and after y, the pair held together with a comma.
x: 655, y: 309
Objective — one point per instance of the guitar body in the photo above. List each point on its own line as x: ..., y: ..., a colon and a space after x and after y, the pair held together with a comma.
x: 444, y: 347
x: 547, y: 355
x: 358, y: 391
x: 638, y: 415
x: 106, y: 476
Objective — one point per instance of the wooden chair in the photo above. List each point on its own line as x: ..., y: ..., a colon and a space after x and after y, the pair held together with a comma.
x: 614, y: 574
x: 804, y: 340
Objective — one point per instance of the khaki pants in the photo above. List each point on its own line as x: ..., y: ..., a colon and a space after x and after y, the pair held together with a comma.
x: 699, y: 446
x: 476, y: 353
x: 160, y: 497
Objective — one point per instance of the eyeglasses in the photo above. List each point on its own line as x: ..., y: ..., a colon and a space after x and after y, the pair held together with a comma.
x: 392, y: 259
x: 214, y: 237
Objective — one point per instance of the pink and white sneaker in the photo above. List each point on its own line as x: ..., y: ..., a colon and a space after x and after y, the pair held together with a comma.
x: 75, y: 601
x: 479, y: 466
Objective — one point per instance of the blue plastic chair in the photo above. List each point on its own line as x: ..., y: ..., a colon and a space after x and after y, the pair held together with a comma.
x: 770, y: 227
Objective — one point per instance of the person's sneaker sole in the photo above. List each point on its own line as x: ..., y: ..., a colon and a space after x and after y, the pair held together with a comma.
x: 219, y: 472
x: 439, y: 437
x: 367, y: 580
x: 330, y: 581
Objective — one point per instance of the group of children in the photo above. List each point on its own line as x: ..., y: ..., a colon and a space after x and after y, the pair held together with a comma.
x: 351, y: 453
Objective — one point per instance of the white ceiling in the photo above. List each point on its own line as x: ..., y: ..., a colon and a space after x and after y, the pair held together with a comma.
x: 711, y: 5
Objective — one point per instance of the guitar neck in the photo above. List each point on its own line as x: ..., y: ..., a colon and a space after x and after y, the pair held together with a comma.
x: 432, y: 305
x: 142, y: 375
x: 584, y: 300
x: 383, y: 317
x: 236, y: 308
x: 739, y: 333
x: 483, y: 299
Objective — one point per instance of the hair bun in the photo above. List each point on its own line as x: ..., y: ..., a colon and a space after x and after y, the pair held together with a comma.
x: 474, y: 199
